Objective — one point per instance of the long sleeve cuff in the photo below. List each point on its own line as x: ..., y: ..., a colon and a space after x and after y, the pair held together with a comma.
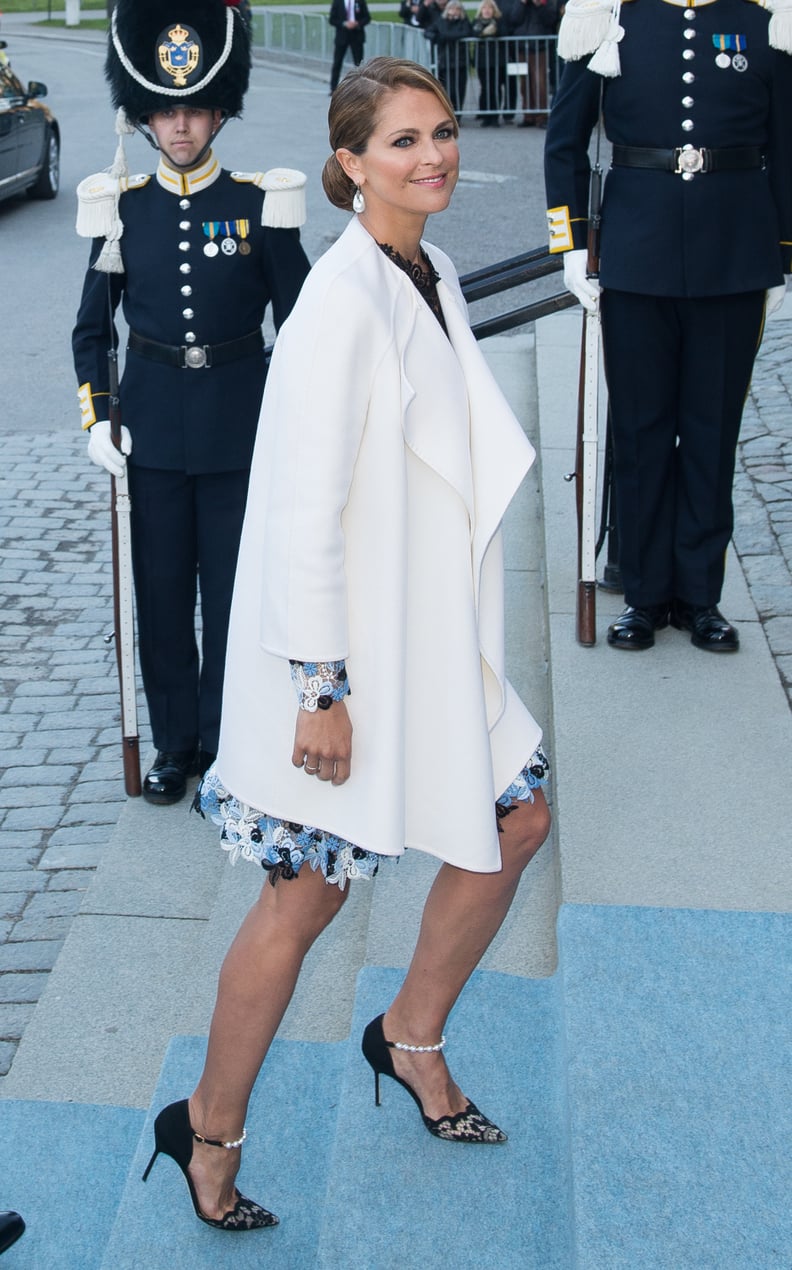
x: 319, y: 683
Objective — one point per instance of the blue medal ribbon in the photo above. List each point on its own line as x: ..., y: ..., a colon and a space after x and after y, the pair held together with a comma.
x: 730, y: 43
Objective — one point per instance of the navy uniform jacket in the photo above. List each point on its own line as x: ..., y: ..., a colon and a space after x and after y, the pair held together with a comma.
x: 719, y: 233
x: 196, y: 421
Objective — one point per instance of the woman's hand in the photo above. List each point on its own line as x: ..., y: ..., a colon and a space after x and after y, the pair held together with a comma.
x: 323, y: 743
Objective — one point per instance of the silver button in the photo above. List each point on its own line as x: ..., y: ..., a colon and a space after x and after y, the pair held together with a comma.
x: 688, y: 77
x: 688, y: 55
x: 189, y: 337
x: 189, y: 314
x: 687, y: 102
x: 687, y: 125
x: 185, y: 224
x: 184, y: 246
x: 185, y: 268
x: 690, y: 14
x: 690, y: 34
x: 184, y: 203
x: 688, y: 176
x: 186, y: 290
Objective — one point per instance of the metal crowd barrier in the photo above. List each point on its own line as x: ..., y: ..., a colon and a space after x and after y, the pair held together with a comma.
x: 498, y: 76
x: 309, y: 38
x: 486, y: 78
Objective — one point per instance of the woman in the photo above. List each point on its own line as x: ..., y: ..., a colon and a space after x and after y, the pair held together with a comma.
x: 490, y: 62
x: 370, y: 578
x: 450, y: 33
x: 533, y: 19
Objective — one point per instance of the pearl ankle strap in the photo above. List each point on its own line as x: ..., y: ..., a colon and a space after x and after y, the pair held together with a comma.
x: 212, y: 1142
x: 418, y: 1049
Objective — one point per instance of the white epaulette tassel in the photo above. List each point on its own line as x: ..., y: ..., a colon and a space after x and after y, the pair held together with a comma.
x: 606, y: 60
x: 97, y: 203
x: 584, y: 26
x: 780, y: 30
x: 284, y: 202
x: 123, y: 128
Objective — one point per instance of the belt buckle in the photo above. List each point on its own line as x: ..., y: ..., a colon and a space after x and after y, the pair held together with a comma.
x: 195, y: 357
x: 689, y: 160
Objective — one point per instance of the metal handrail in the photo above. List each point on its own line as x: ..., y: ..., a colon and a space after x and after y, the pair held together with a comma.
x: 504, y: 275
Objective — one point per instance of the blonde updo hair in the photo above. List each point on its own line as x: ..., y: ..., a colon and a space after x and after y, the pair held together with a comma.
x: 354, y: 111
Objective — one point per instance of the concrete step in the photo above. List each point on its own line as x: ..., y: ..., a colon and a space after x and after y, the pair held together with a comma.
x: 397, y: 1197
x: 63, y: 1166
x: 292, y: 1122
x: 645, y: 1088
x: 679, y: 1087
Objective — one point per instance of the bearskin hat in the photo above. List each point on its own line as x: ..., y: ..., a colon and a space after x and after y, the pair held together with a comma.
x: 163, y: 53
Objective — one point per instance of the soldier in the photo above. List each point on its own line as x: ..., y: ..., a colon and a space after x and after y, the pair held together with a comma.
x: 194, y: 254
x: 696, y: 239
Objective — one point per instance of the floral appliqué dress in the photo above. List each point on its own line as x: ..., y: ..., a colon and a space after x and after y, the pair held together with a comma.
x: 282, y: 847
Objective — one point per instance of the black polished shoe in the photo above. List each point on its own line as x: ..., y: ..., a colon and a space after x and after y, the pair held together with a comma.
x: 709, y: 628
x: 11, y: 1227
x: 636, y: 627
x: 166, y: 781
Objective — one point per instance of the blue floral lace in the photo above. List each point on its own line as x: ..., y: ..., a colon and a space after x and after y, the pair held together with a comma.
x: 282, y: 847
x: 319, y: 683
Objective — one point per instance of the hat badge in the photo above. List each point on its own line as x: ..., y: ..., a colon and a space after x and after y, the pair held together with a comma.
x: 179, y: 52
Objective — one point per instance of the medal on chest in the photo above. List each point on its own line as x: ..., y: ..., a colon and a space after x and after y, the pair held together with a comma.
x: 730, y: 52
x: 223, y: 234
x: 210, y: 228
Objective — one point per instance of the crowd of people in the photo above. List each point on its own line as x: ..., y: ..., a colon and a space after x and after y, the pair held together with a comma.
x: 511, y: 48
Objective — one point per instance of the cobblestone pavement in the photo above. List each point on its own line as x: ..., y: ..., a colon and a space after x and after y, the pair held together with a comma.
x: 61, y: 781
x: 763, y: 493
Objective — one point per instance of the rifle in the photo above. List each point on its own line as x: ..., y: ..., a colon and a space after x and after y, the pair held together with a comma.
x: 123, y: 618
x: 586, y: 447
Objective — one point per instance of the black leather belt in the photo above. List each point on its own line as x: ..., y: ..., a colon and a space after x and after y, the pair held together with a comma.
x: 196, y: 356
x: 686, y: 160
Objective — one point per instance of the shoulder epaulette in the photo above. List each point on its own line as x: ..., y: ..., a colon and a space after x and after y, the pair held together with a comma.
x: 135, y: 182
x: 97, y: 199
x: 284, y: 189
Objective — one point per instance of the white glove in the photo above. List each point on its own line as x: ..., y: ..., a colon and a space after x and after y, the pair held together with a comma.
x: 774, y: 299
x: 586, y: 289
x: 102, y: 451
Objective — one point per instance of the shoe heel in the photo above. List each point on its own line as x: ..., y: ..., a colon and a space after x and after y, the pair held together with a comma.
x: 377, y: 1102
x: 150, y: 1164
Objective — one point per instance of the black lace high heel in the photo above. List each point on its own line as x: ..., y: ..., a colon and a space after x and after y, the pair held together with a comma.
x: 466, y: 1126
x: 174, y: 1136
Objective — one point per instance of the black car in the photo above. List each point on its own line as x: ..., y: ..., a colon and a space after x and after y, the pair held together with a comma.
x: 29, y: 137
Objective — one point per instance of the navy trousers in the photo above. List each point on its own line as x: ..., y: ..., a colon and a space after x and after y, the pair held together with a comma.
x: 678, y: 373
x: 185, y: 535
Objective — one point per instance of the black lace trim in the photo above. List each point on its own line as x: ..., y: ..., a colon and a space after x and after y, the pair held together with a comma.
x: 425, y: 278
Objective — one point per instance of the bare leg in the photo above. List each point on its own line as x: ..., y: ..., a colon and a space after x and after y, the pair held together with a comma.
x: 256, y: 984
x: 463, y: 913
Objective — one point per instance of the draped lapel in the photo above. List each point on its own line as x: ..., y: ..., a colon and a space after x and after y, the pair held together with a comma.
x: 436, y: 422
x: 501, y: 454
x: 459, y: 423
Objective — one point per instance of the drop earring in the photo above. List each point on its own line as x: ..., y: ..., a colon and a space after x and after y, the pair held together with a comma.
x: 358, y: 201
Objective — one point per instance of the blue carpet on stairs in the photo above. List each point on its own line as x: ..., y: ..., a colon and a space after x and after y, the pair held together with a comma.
x: 400, y: 1199
x: 680, y: 1087
x: 63, y: 1167
x: 291, y: 1123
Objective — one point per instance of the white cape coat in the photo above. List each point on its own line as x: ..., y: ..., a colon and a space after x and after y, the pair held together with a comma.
x: 385, y: 459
